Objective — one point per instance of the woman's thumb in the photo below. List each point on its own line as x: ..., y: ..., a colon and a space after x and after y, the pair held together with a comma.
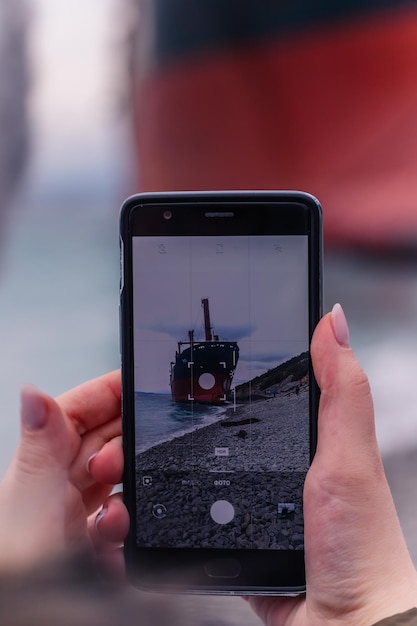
x: 346, y: 427
x: 44, y: 444
x: 33, y: 493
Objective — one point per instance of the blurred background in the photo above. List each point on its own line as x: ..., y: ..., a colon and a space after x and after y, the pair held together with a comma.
x: 65, y: 169
x: 103, y: 98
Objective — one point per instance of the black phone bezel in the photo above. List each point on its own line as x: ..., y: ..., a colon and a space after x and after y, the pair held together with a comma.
x: 275, y: 572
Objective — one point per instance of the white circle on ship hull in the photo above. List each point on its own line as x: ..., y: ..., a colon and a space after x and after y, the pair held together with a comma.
x: 206, y: 381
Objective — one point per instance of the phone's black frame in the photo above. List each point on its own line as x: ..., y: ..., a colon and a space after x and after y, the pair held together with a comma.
x: 275, y: 572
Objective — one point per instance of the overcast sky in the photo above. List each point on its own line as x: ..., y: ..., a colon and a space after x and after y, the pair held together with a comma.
x: 257, y: 290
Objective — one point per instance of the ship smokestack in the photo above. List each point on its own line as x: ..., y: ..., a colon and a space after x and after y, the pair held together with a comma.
x: 207, y: 322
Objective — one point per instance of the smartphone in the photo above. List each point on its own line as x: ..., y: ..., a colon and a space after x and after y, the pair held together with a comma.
x: 220, y: 294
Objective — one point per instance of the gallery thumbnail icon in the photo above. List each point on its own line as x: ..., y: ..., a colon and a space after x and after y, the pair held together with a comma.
x: 286, y: 510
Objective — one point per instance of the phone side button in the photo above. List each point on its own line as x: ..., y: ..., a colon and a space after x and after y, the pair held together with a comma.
x: 223, y: 568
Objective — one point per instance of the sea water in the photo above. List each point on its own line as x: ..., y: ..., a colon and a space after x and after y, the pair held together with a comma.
x: 159, y: 418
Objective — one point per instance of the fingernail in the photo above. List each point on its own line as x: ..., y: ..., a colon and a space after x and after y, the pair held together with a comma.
x: 100, y: 516
x: 33, y: 408
x: 340, y: 326
x: 90, y: 458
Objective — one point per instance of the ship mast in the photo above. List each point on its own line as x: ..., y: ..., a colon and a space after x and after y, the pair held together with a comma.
x: 207, y: 322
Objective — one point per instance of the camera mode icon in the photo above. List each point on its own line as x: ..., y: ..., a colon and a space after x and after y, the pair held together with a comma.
x: 159, y: 511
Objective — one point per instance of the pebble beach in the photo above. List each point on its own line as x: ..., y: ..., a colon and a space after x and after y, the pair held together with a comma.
x: 262, y: 473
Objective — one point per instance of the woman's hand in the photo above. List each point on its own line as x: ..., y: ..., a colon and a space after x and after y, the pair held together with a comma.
x: 357, y: 564
x: 63, y: 471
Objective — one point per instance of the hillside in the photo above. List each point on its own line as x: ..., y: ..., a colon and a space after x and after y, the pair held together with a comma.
x: 283, y: 378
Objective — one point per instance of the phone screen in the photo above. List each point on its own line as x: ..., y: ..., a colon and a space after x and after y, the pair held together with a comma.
x: 221, y: 326
x: 221, y: 339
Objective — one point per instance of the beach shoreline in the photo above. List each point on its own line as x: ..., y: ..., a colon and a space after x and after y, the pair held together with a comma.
x: 266, y: 435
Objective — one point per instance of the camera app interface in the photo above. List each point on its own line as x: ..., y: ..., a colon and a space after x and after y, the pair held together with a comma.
x: 221, y: 340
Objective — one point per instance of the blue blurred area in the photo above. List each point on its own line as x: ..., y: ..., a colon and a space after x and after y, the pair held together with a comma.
x: 210, y: 26
x: 59, y: 300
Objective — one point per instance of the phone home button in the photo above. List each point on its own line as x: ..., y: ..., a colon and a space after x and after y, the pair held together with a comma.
x: 222, y: 568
